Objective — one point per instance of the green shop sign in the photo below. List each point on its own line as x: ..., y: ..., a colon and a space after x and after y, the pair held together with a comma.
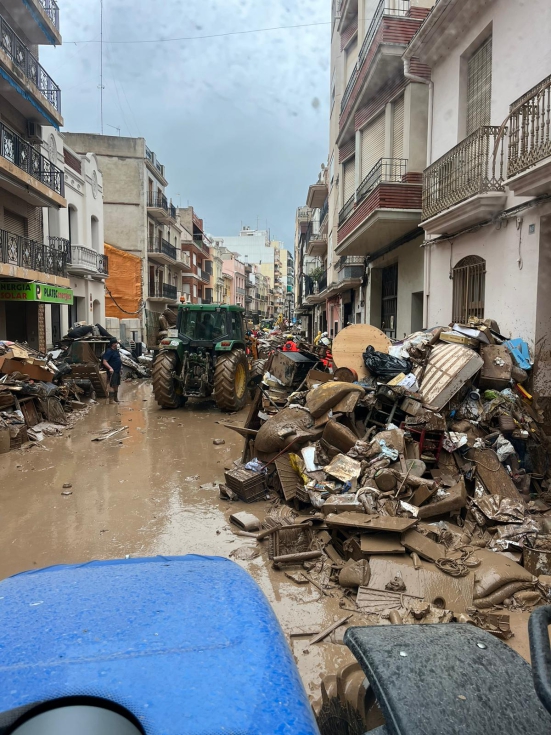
x: 21, y: 291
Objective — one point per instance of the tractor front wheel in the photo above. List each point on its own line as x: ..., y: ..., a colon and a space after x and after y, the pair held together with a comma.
x: 164, y: 386
x: 231, y: 376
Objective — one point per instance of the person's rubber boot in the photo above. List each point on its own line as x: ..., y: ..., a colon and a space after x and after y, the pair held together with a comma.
x: 111, y: 397
x: 116, y: 396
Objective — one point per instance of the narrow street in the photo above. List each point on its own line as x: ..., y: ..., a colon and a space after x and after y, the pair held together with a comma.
x: 132, y: 495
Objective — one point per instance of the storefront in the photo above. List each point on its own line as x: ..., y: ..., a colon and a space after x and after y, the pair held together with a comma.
x: 23, y: 310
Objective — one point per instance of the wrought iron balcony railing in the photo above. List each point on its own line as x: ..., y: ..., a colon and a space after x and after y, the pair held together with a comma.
x: 199, y: 241
x: 20, y: 55
x: 324, y: 211
x: 391, y: 170
x: 399, y: 8
x: 52, y: 11
x: 347, y: 210
x: 350, y: 260
x: 163, y: 291
x: 162, y: 247
x: 313, y: 287
x: 157, y: 201
x: 25, y: 253
x: 61, y: 243
x: 82, y: 257
x: 529, y: 137
x: 27, y: 158
x: 472, y: 167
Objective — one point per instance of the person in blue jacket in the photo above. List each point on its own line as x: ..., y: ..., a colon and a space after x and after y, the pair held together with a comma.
x: 112, y: 362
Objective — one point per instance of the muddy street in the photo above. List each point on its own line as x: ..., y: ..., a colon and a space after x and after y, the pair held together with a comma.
x: 140, y: 494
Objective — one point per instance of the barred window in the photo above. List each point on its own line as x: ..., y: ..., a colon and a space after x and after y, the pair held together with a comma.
x: 469, y: 285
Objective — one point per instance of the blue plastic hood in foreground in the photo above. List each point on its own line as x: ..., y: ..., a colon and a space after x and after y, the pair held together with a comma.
x: 188, y: 645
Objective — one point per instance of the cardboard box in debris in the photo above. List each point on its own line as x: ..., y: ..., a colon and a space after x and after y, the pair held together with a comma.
x: 39, y: 393
x: 424, y: 483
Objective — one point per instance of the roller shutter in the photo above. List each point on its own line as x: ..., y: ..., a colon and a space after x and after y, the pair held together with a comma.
x: 349, y: 178
x: 373, y: 144
x: 398, y: 129
x: 479, y: 87
x: 15, y: 224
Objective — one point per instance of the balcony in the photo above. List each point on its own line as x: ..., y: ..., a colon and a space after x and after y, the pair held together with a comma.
x: 32, y: 92
x: 183, y: 260
x: 315, y: 244
x: 155, y: 166
x: 160, y: 209
x: 21, y: 252
x: 324, y: 212
x: 27, y: 173
x: 466, y: 186
x: 203, y: 275
x: 163, y: 292
x: 529, y: 165
x: 303, y: 214
x: 351, y: 270
x: 249, y: 299
x: 85, y: 261
x: 240, y: 291
x: 314, y: 289
x: 317, y: 194
x: 200, y: 241
x: 38, y: 19
x: 385, y: 207
x: 161, y: 251
x: 380, y: 58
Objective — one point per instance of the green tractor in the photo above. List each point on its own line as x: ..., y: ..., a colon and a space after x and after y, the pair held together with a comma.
x: 204, y: 354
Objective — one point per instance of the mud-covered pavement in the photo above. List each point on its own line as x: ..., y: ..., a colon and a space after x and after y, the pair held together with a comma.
x: 130, y: 496
x: 136, y: 494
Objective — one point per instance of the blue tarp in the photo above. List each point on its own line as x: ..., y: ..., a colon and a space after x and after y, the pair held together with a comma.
x: 520, y: 352
x: 188, y: 644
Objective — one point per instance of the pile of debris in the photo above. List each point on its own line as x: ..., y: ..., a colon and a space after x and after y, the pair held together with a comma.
x: 420, y: 490
x: 40, y: 395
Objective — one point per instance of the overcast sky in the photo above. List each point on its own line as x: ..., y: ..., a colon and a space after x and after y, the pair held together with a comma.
x: 240, y: 122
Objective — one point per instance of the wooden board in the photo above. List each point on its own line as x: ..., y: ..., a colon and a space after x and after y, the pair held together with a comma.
x: 350, y: 344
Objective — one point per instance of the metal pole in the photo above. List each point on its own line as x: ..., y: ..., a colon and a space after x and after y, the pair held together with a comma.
x: 101, y: 65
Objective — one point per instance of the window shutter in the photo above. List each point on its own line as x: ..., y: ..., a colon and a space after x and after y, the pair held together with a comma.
x: 398, y: 129
x: 15, y: 224
x: 479, y: 87
x: 349, y: 176
x: 373, y: 144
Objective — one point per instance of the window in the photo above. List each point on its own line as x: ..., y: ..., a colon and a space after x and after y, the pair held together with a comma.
x: 332, y: 169
x: 479, y: 87
x: 469, y: 285
x: 73, y: 225
x: 95, y: 233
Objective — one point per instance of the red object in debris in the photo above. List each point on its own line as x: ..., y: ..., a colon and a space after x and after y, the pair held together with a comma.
x: 328, y: 360
x: 290, y: 346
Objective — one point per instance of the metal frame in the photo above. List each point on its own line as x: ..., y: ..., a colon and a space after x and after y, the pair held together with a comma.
x: 26, y: 253
x: 29, y: 159
x: 469, y: 286
x: 530, y: 120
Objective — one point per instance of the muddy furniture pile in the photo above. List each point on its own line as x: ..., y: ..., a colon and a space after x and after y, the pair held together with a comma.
x: 419, y: 490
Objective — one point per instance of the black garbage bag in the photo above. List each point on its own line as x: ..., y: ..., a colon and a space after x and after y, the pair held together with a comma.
x: 385, y: 366
x: 80, y: 332
x: 103, y: 332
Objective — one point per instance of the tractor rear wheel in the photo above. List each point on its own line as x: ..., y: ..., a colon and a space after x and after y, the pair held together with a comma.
x: 164, y: 387
x: 231, y: 376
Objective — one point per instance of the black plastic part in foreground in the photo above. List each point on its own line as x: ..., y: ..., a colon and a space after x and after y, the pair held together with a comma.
x: 540, y: 653
x: 448, y: 680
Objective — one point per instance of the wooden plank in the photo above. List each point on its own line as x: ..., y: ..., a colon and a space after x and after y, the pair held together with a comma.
x: 350, y: 344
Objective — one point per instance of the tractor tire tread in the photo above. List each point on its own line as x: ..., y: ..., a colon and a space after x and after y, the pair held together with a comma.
x: 224, y: 381
x: 163, y: 383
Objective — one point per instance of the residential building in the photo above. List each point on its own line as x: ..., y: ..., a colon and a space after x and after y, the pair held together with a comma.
x: 366, y: 234
x: 33, y: 267
x: 217, y: 275
x: 255, y: 246
x: 235, y: 268
x: 228, y: 286
x: 310, y: 315
x: 487, y: 190
x: 81, y: 226
x: 138, y: 217
x: 197, y: 282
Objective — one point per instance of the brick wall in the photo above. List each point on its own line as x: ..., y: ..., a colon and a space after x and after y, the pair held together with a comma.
x: 384, y: 196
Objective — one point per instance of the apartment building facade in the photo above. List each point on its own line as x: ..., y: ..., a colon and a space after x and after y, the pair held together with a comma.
x: 33, y: 267
x: 138, y: 217
x: 487, y: 190
x: 78, y: 229
x: 197, y: 282
x: 367, y: 201
x: 235, y: 268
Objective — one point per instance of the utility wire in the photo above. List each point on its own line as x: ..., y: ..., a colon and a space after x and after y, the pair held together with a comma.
x: 215, y: 35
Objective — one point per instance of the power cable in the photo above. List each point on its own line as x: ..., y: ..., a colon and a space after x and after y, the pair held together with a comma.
x: 214, y: 35
x: 133, y: 313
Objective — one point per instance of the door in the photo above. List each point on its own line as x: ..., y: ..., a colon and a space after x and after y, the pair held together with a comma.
x: 56, y: 323
x: 389, y: 305
x: 16, y: 322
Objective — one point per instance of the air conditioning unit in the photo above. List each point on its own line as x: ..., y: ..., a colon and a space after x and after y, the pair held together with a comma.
x: 34, y: 132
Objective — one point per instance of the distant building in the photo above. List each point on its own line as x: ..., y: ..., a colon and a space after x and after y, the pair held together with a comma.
x: 235, y: 268
x: 197, y: 281
x: 138, y: 217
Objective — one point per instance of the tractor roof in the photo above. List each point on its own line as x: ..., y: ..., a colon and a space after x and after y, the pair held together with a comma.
x: 212, y: 307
